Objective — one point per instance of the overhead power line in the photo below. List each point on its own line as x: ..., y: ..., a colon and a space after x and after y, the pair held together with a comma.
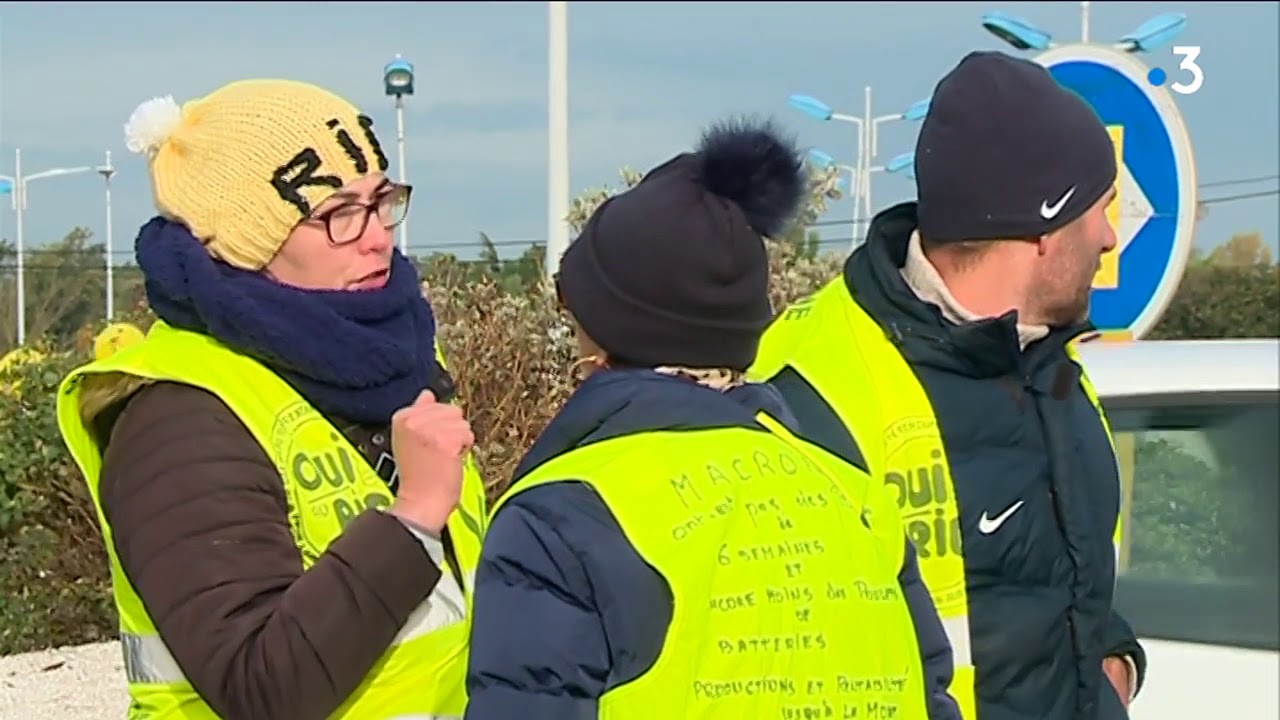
x: 1241, y: 181
x: 1240, y: 196
x: 526, y: 243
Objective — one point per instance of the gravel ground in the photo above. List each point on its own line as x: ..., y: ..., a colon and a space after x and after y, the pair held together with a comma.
x: 84, y: 682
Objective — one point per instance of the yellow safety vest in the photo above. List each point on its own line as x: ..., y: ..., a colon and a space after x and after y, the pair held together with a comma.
x: 785, y: 604
x: 423, y: 673
x: 839, y: 349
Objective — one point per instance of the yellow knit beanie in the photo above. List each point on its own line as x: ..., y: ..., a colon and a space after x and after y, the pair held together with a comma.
x: 243, y: 165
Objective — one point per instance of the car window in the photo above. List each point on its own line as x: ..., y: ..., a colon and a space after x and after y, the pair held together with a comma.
x: 1200, y: 561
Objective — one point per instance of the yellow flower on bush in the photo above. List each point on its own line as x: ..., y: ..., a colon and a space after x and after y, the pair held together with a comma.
x: 11, y: 362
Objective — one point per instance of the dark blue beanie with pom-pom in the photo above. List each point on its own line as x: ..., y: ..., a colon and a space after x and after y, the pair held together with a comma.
x: 674, y: 271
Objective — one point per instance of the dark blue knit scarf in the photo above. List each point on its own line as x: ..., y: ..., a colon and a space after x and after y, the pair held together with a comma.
x: 355, y: 355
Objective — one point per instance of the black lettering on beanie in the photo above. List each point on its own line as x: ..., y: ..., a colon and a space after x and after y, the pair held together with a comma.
x: 298, y: 173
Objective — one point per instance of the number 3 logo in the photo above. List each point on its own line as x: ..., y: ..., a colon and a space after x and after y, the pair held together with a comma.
x: 1189, y: 54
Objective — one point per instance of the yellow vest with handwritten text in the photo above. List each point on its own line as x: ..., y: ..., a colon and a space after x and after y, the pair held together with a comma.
x: 783, y: 562
x: 840, y: 350
x: 327, y: 484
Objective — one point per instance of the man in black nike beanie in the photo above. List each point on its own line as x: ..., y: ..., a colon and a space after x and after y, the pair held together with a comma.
x: 1006, y: 153
x: 674, y: 272
x: 949, y: 340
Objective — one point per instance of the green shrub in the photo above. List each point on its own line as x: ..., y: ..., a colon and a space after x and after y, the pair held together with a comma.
x: 1224, y: 301
x: 53, y: 571
x: 1182, y: 528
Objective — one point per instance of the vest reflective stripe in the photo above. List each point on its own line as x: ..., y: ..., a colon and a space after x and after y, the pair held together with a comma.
x: 326, y: 483
x: 1117, y: 537
x: 957, y: 629
x: 147, y: 659
x: 840, y: 350
x: 782, y: 606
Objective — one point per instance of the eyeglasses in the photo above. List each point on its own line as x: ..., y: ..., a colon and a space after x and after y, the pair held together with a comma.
x: 346, y: 223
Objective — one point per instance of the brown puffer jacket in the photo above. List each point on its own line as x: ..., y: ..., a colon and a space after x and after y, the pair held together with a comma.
x: 199, y: 520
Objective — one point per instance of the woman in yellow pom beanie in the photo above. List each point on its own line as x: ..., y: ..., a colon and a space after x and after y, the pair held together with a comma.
x: 285, y: 490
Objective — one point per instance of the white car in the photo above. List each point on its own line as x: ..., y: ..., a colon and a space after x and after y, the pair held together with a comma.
x: 1197, y: 427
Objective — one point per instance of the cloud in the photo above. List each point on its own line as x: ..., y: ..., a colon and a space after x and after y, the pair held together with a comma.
x: 78, y: 85
x: 476, y: 126
x: 495, y: 181
x: 644, y: 79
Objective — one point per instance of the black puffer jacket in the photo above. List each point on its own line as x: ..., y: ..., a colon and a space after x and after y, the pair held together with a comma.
x: 565, y: 607
x: 1019, y: 431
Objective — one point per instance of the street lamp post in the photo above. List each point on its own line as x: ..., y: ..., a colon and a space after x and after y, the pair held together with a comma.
x: 1155, y: 32
x: 826, y: 162
x: 868, y: 128
x: 1022, y: 35
x: 397, y: 82
x: 557, y: 137
x: 106, y: 170
x: 903, y: 163
x: 18, y: 184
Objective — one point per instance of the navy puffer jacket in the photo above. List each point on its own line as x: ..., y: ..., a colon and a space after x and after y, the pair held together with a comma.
x: 565, y: 608
x: 1027, y: 448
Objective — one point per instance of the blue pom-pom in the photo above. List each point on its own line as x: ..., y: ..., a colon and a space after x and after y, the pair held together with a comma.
x: 752, y: 164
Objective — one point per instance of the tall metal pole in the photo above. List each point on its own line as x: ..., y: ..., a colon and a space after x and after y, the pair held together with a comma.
x: 868, y: 152
x: 404, y: 171
x: 862, y: 170
x: 855, y: 185
x: 107, y: 171
x: 1084, y: 21
x: 854, y: 194
x: 557, y: 135
x: 19, y: 204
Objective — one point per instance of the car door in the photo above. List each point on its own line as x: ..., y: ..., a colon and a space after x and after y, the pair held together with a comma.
x: 1199, y: 565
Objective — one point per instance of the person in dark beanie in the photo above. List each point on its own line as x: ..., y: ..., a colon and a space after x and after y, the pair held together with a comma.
x: 668, y: 547
x: 944, y: 358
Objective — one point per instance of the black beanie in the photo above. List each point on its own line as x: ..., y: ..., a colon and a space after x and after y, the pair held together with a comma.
x: 674, y: 271
x: 1005, y: 152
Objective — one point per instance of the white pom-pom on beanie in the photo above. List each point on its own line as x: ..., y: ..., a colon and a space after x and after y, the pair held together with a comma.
x: 151, y: 125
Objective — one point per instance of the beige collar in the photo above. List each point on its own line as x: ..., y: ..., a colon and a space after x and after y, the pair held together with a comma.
x: 923, y: 279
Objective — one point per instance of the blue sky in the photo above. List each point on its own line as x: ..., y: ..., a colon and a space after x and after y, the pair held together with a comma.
x: 644, y: 78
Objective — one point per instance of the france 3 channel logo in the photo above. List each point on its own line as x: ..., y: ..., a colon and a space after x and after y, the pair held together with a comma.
x: 1193, y: 74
